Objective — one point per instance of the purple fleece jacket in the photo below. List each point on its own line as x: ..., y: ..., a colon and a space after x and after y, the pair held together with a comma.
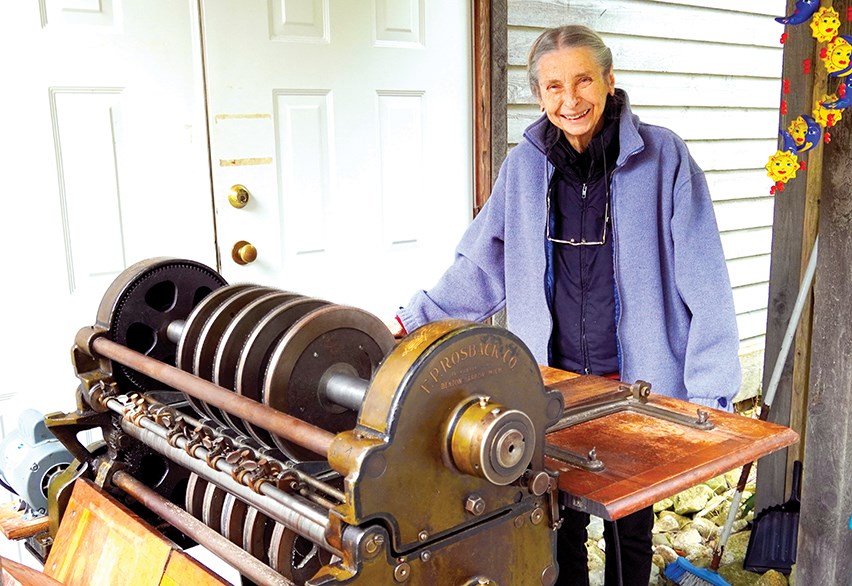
x: 676, y: 323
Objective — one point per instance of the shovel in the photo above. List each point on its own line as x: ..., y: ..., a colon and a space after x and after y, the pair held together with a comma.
x: 772, y: 544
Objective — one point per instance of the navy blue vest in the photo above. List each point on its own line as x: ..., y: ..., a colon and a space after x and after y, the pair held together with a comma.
x: 583, y: 303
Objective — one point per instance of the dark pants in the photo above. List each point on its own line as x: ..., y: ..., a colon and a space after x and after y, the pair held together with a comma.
x: 634, y: 538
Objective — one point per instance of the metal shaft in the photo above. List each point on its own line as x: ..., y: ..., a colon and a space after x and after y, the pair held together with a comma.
x: 345, y: 390
x: 247, y: 565
x: 296, y: 513
x: 290, y: 428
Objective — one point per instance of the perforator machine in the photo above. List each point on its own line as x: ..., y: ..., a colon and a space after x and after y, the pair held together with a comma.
x: 300, y: 443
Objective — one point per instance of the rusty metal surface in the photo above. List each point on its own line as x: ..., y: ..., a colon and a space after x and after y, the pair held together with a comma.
x: 647, y: 458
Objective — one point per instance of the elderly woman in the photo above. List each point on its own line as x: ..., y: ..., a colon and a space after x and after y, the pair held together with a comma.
x: 600, y: 241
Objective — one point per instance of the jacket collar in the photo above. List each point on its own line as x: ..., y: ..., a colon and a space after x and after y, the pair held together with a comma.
x: 629, y: 138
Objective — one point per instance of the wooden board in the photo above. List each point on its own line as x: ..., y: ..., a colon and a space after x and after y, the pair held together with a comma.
x: 14, y: 526
x: 647, y: 458
x: 183, y: 570
x: 100, y: 541
x: 15, y: 574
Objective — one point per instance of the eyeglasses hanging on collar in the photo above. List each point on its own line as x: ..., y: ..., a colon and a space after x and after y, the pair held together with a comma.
x: 581, y: 241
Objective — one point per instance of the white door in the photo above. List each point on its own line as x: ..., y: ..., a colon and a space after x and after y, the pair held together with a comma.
x: 349, y: 122
x: 103, y: 159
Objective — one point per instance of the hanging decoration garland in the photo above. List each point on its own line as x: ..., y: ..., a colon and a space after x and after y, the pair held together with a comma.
x: 805, y: 132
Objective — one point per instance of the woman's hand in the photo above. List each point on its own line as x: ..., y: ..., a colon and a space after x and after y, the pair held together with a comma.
x: 396, y: 328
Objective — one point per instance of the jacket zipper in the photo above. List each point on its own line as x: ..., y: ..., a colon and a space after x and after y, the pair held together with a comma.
x: 584, y: 343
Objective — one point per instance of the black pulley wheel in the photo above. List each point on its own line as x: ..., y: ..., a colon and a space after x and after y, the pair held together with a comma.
x: 143, y: 301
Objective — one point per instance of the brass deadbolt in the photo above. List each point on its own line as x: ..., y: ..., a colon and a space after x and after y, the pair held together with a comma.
x: 243, y: 253
x: 238, y: 196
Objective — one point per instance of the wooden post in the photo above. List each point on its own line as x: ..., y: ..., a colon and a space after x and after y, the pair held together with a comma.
x: 482, y: 102
x: 825, y: 540
x: 490, y: 56
x: 499, y: 84
x: 785, y: 271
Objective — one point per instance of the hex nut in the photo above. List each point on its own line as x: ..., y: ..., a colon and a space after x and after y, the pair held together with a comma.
x: 475, y: 505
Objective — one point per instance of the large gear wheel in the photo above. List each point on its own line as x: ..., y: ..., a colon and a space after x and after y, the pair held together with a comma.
x: 143, y: 301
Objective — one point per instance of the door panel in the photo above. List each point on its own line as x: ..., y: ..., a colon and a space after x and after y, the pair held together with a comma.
x: 341, y: 117
x: 349, y: 123
x: 103, y: 154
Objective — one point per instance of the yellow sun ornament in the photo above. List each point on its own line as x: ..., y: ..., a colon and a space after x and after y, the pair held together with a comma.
x: 825, y: 117
x: 825, y: 24
x: 782, y: 166
x: 798, y: 128
x: 836, y: 56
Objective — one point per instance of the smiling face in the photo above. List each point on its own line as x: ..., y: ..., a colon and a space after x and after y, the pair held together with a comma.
x: 825, y: 24
x: 782, y: 166
x: 573, y: 92
x: 839, y: 52
x: 797, y: 129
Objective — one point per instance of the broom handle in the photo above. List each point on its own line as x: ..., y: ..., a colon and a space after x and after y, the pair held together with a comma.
x: 805, y: 287
x: 768, y: 397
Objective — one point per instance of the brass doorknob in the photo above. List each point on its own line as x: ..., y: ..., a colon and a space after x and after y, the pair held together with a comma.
x: 243, y: 253
x: 238, y: 196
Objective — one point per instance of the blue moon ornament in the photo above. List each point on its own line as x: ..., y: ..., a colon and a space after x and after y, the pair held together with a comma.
x: 844, y: 90
x: 788, y: 143
x: 812, y: 135
x: 802, y: 12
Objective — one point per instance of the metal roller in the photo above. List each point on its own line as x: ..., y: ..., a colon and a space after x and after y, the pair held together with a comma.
x: 195, y: 495
x: 331, y: 339
x: 233, y: 519
x: 233, y: 343
x: 295, y: 557
x: 211, y: 335
x: 191, y: 330
x: 254, y: 359
x: 213, y: 508
x: 257, y: 534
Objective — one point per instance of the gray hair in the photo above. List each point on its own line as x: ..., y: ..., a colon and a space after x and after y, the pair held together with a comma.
x: 566, y: 37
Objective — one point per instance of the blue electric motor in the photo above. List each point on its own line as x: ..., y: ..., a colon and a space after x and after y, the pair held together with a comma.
x: 29, y: 457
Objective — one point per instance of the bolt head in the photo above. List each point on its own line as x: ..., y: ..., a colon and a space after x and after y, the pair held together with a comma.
x: 402, y: 572
x: 475, y: 505
x: 537, y: 516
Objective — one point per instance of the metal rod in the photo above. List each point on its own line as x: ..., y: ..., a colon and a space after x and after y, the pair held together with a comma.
x: 579, y: 415
x: 246, y: 564
x: 320, y: 485
x: 295, y: 513
x: 302, y: 476
x: 345, y: 389
x: 290, y: 428
x: 175, y: 330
